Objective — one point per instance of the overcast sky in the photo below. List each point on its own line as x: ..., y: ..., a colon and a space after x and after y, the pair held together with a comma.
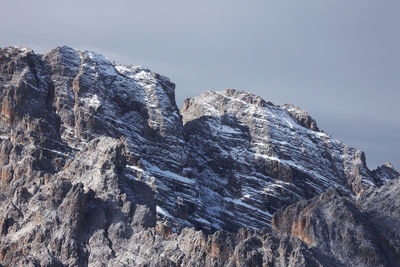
x: 340, y: 60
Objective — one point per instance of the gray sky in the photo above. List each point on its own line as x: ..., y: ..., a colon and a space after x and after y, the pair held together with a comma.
x: 340, y: 60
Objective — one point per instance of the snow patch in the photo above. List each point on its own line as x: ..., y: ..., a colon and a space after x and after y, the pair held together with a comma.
x: 171, y: 175
x: 92, y: 101
x: 163, y: 212
x: 290, y: 124
x: 229, y: 130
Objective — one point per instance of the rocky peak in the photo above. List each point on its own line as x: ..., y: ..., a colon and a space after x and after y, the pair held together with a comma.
x: 222, y: 97
x: 228, y: 150
x: 388, y: 164
x: 253, y: 152
x: 301, y: 117
x: 385, y: 173
x: 98, y: 166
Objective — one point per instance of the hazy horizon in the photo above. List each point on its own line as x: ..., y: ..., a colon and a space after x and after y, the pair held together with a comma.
x: 337, y: 60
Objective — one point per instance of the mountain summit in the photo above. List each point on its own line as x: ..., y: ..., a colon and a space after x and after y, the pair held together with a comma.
x: 100, y: 167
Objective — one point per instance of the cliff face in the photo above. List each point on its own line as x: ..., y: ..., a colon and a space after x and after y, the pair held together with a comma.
x: 257, y: 157
x: 99, y: 167
x: 346, y: 229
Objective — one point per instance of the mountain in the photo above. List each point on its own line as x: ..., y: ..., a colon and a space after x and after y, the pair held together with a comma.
x: 100, y: 167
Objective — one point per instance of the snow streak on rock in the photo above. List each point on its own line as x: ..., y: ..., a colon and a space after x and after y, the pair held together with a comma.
x: 96, y: 159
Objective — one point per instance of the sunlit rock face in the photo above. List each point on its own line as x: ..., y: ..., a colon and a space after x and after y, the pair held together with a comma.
x: 99, y: 167
x: 257, y: 157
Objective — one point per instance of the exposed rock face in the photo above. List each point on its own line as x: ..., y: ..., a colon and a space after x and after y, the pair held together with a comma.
x: 382, y: 206
x: 302, y: 117
x: 385, y: 173
x: 99, y: 168
x: 257, y: 157
x: 337, y: 226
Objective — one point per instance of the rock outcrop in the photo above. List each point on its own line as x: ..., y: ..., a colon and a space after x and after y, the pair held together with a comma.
x: 99, y: 167
x: 259, y: 157
x: 385, y: 173
x: 338, y: 227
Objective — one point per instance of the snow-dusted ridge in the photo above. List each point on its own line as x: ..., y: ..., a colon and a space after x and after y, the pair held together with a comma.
x: 226, y: 160
x: 99, y: 167
x: 261, y: 145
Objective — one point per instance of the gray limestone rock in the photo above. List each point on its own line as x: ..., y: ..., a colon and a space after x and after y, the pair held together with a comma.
x: 98, y: 167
